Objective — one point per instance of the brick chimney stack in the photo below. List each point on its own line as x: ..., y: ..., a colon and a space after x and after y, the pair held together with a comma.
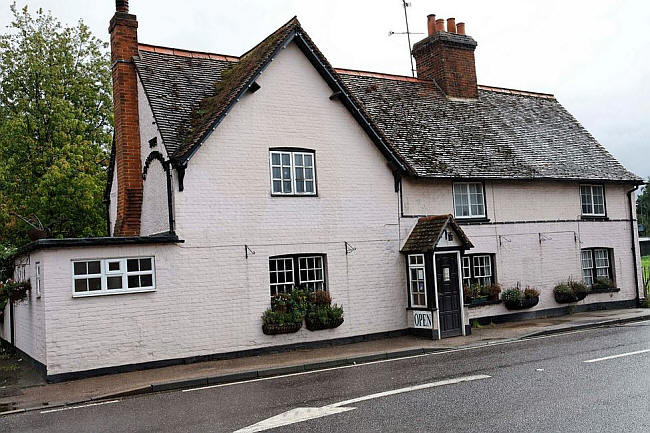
x: 447, y: 57
x: 123, y: 29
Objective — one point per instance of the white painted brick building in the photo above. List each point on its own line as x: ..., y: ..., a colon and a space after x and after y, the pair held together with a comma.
x: 386, y: 152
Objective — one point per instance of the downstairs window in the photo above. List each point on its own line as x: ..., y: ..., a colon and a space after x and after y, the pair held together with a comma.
x: 478, y: 269
x: 112, y: 276
x: 304, y: 271
x: 596, y: 263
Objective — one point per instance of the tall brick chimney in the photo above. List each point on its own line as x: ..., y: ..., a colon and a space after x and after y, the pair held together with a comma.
x: 447, y: 57
x: 123, y: 29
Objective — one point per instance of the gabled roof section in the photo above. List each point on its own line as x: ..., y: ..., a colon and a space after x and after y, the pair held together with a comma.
x: 230, y: 78
x: 427, y: 232
x: 504, y: 134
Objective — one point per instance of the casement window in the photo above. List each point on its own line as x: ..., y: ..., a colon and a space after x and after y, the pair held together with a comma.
x: 20, y: 273
x: 596, y: 263
x: 592, y: 199
x: 469, y: 201
x: 292, y: 173
x: 478, y: 269
x: 417, y: 280
x: 38, y: 284
x: 113, y: 276
x: 304, y: 271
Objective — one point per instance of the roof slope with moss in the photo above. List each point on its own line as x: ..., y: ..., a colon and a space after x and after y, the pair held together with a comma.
x: 503, y: 134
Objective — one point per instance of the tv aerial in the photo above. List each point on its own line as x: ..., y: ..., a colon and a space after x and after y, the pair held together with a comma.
x: 408, y: 34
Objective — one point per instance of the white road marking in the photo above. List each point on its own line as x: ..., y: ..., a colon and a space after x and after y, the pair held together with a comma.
x: 618, y: 356
x: 78, y: 406
x: 306, y: 413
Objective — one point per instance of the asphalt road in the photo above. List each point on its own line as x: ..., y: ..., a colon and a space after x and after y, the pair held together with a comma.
x: 539, y: 385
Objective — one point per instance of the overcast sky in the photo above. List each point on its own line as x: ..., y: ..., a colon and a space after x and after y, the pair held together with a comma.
x: 591, y: 54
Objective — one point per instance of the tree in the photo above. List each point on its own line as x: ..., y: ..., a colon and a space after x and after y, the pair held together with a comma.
x: 55, y: 127
x: 643, y: 207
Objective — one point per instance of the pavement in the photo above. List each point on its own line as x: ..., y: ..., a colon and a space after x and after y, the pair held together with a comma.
x: 21, y: 397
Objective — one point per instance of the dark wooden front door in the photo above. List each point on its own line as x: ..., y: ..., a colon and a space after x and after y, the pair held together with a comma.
x: 448, y: 295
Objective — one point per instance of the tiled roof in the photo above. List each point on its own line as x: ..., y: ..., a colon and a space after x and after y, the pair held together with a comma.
x: 503, y: 134
x: 426, y: 233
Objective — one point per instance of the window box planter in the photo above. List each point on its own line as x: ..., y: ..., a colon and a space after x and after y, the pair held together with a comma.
x: 318, y: 325
x: 573, y: 291
x: 478, y: 301
x: 605, y: 289
x: 285, y: 328
x: 521, y: 304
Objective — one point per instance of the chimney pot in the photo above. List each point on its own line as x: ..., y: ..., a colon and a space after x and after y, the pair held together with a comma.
x: 122, y: 6
x: 460, y: 28
x: 431, y: 24
x: 440, y: 25
x: 451, y: 25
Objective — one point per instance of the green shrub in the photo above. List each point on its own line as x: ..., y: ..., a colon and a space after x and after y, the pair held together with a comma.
x: 578, y: 287
x: 287, y: 308
x: 530, y: 292
x: 563, y: 289
x: 512, y: 295
x: 603, y: 283
x: 493, y: 290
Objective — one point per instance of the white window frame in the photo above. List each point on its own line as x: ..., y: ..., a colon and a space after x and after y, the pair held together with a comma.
x: 590, y: 268
x: 284, y: 271
x: 485, y: 266
x: 467, y: 270
x: 465, y: 186
x: 38, y: 278
x: 591, y: 204
x: 292, y: 171
x: 315, y: 282
x: 105, y: 273
x: 416, y: 266
x: 606, y: 258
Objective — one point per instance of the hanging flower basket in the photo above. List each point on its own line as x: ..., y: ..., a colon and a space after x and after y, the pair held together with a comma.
x: 285, y: 328
x: 521, y: 304
x: 318, y: 325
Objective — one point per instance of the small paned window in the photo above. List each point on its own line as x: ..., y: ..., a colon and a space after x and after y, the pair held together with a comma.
x: 592, y: 198
x: 596, y: 263
x: 478, y: 269
x: 417, y: 280
x: 303, y: 271
x: 469, y: 201
x: 118, y: 275
x: 292, y: 173
x: 37, y: 271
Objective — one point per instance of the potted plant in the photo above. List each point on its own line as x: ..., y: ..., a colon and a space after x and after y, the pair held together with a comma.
x: 467, y: 294
x: 286, y: 313
x: 603, y: 284
x: 517, y: 299
x: 571, y: 291
x: 493, y: 290
x: 479, y: 294
x: 321, y: 314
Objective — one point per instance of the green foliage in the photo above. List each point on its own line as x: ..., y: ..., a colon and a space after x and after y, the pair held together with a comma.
x: 12, y: 290
x: 493, y: 291
x: 287, y: 308
x: 643, y: 207
x: 603, y: 283
x: 563, y: 289
x: 578, y: 287
x: 55, y: 127
x: 530, y: 292
x: 512, y: 295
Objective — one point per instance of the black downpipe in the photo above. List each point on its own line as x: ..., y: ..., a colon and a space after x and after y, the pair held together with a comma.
x: 636, y: 269
x: 168, y: 170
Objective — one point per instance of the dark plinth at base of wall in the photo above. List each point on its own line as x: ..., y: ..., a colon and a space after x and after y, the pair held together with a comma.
x: 53, y: 378
x: 554, y: 312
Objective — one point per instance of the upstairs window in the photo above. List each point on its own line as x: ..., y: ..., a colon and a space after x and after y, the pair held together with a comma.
x: 292, y: 173
x: 592, y: 198
x: 109, y: 276
x: 469, y: 201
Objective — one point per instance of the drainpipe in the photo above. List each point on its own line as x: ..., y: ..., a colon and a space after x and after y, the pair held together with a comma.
x: 636, y: 269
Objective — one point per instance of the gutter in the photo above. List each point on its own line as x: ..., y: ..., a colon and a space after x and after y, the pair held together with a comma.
x: 636, y: 268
